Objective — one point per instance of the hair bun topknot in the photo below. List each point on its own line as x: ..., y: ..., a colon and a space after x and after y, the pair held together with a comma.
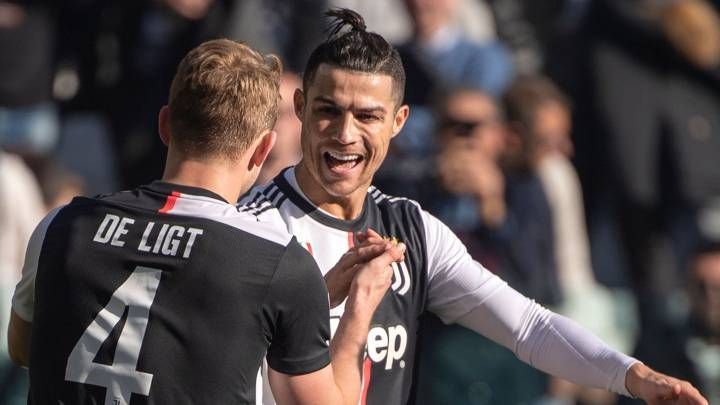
x: 342, y: 17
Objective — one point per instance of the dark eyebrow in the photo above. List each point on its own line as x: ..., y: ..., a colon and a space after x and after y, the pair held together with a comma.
x: 325, y: 100
x: 371, y: 110
x: 368, y: 110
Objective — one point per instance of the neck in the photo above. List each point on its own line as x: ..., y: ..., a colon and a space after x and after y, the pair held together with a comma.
x: 346, y: 207
x: 220, y: 176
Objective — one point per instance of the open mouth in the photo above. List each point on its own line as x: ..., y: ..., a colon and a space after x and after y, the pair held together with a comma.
x: 340, y: 162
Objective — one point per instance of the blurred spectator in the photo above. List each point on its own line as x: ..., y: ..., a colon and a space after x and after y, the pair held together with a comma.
x: 438, y: 56
x: 121, y: 56
x: 58, y: 185
x: 504, y: 220
x: 691, y: 348
x: 87, y: 150
x: 703, y: 347
x: 539, y: 123
x: 503, y: 215
x: 540, y: 34
x: 288, y: 28
x: 21, y: 208
x: 648, y: 141
x: 286, y: 151
x: 390, y: 18
x: 28, y: 117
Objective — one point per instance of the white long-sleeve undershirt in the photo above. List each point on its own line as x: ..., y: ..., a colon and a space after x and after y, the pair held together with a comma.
x: 548, y: 341
x: 462, y: 291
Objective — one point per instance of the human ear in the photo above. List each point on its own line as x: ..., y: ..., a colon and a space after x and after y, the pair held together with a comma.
x: 400, y: 119
x: 263, y: 148
x: 299, y: 103
x: 164, y: 125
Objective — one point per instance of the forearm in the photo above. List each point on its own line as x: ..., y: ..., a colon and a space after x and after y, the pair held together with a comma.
x: 564, y: 349
x: 548, y: 341
x: 367, y: 290
x: 347, y: 346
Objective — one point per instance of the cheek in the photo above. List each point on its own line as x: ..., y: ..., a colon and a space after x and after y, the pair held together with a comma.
x: 380, y: 149
x: 307, y: 143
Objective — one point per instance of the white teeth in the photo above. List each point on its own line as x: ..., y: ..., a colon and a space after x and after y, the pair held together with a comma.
x: 343, y: 157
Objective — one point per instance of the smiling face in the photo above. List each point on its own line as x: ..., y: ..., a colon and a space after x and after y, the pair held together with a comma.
x: 348, y: 119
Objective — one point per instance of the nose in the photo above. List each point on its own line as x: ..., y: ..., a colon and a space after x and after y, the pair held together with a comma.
x: 346, y: 132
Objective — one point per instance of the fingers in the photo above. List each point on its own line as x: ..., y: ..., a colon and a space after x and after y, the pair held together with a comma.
x: 690, y: 394
x: 390, y: 255
x: 368, y: 236
x: 673, y: 391
x: 660, y: 389
x: 371, y: 237
x: 360, y: 254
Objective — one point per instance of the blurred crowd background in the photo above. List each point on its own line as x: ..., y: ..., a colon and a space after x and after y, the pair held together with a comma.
x: 573, y: 145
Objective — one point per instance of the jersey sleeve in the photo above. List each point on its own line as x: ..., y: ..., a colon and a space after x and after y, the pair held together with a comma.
x: 23, y: 300
x: 298, y: 306
x: 457, y: 283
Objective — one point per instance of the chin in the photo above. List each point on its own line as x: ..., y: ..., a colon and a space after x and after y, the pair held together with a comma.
x: 341, y: 189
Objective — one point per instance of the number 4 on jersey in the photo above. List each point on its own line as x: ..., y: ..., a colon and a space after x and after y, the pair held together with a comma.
x: 121, y: 378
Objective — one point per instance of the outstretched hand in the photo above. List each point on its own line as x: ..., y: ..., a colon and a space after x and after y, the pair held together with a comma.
x: 659, y: 389
x: 369, y: 245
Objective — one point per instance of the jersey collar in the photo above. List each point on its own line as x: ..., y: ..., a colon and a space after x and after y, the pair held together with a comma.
x: 288, y: 185
x: 164, y: 187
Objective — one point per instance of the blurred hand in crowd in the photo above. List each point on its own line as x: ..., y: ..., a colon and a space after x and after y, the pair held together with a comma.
x: 463, y: 169
x: 11, y: 15
x: 190, y: 9
x: 472, y: 140
x: 693, y: 27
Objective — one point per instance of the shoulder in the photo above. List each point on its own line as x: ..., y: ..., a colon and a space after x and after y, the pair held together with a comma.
x: 390, y: 202
x: 269, y: 228
x: 242, y: 221
x: 297, y: 265
x: 413, y: 215
x: 404, y: 213
x: 261, y: 199
x: 44, y: 224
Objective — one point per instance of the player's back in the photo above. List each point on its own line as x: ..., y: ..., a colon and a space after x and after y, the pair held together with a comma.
x: 159, y: 296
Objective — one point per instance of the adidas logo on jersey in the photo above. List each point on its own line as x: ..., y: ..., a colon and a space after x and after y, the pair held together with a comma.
x: 387, y: 345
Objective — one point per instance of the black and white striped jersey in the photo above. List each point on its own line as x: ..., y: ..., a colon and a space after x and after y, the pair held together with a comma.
x: 437, y: 274
x: 166, y: 295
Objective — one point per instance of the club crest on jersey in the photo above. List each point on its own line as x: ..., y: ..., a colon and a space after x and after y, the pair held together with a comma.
x: 401, y: 278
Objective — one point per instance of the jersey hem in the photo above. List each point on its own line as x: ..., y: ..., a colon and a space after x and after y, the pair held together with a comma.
x: 301, y: 367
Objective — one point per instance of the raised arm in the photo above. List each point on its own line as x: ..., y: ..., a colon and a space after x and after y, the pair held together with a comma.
x: 339, y: 382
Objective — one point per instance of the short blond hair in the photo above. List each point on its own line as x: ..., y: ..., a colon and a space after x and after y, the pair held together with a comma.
x: 222, y: 97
